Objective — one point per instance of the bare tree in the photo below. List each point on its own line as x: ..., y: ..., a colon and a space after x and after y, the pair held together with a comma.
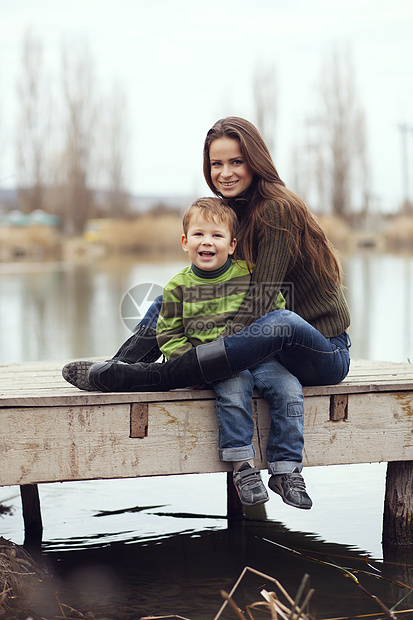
x: 342, y: 135
x: 116, y: 152
x: 364, y: 172
x: 265, y: 101
x: 80, y: 121
x: 33, y: 126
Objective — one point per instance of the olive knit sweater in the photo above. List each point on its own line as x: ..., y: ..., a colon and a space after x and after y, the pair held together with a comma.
x: 324, y: 307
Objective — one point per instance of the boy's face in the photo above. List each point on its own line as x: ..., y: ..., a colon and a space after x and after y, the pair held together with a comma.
x: 208, y: 243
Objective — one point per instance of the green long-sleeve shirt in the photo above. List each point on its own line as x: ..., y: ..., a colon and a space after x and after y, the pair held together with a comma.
x: 197, y: 309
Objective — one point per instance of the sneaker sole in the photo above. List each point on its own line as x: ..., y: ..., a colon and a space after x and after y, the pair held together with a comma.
x: 281, y: 494
x: 77, y: 373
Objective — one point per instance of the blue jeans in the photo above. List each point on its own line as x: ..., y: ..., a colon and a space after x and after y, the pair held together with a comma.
x: 151, y: 317
x: 284, y: 394
x: 299, y: 347
x: 283, y: 352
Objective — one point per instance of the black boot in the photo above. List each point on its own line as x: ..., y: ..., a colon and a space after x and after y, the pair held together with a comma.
x: 142, y: 346
x: 200, y: 365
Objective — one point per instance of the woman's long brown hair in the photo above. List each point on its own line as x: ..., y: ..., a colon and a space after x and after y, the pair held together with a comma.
x: 307, y: 236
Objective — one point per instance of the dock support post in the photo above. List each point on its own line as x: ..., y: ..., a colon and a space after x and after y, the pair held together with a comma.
x: 235, y: 509
x: 398, y: 505
x: 32, y: 518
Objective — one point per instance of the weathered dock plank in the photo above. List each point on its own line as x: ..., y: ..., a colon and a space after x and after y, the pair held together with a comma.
x: 51, y: 431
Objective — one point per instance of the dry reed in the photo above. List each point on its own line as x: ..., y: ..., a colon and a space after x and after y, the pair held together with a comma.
x: 399, y: 234
x: 161, y: 234
x: 19, y: 577
x: 336, y: 229
x: 30, y: 241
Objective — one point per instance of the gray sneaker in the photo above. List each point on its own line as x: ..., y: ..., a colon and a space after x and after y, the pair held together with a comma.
x: 250, y: 487
x: 292, y: 489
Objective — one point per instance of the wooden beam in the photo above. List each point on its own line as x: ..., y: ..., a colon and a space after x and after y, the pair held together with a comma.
x: 398, y: 505
x: 235, y: 509
x: 32, y: 517
x: 139, y: 420
x: 338, y: 407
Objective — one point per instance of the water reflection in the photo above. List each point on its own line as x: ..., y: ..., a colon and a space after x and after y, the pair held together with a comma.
x: 379, y: 292
x: 186, y: 572
x: 54, y: 311
x: 51, y: 311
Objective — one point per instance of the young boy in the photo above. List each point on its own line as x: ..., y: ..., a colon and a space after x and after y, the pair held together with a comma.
x: 197, y: 304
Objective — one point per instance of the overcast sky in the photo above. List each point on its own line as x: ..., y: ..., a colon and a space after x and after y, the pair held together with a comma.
x: 185, y: 63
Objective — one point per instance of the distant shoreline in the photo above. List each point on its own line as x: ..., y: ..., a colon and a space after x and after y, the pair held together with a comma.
x: 159, y: 236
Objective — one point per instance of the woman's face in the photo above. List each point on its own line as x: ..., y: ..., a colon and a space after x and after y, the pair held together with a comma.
x: 229, y: 172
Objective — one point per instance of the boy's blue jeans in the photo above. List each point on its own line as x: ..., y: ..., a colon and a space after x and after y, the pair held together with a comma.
x: 287, y: 353
x: 284, y: 394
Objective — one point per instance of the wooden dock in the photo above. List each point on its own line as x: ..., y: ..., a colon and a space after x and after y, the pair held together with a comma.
x: 50, y: 431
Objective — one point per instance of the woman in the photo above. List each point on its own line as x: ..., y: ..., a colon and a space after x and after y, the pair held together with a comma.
x: 285, y: 249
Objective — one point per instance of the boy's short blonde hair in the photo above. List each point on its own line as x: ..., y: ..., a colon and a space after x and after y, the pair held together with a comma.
x: 212, y: 210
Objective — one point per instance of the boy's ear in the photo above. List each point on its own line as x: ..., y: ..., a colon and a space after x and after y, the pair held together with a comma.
x: 232, y: 246
x: 184, y: 242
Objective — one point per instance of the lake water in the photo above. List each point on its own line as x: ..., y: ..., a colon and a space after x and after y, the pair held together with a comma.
x: 130, y: 548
